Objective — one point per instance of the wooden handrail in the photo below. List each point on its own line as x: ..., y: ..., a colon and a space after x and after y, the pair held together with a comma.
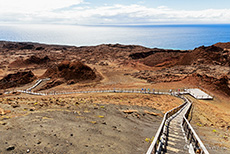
x: 191, y: 135
x: 156, y: 141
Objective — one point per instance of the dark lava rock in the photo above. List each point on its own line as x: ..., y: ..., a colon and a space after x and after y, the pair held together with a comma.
x: 18, y: 46
x: 17, y: 79
x: 75, y: 71
x: 40, y: 48
x: 10, y: 148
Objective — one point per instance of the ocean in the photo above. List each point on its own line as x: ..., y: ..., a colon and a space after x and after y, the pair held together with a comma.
x: 182, y: 37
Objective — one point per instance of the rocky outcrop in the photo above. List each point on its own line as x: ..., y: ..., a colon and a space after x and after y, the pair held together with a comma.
x: 51, y: 84
x: 70, y: 73
x: 212, y: 55
x: 158, y: 57
x: 67, y: 70
x: 19, y: 46
x: 210, y: 82
x: 223, y: 45
x: 17, y: 79
x: 33, y: 60
x: 140, y: 55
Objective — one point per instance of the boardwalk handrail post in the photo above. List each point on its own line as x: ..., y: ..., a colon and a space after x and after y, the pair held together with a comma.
x: 192, y: 137
x: 154, y: 145
x: 191, y: 132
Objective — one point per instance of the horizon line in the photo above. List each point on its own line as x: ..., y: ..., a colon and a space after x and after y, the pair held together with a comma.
x: 124, y: 25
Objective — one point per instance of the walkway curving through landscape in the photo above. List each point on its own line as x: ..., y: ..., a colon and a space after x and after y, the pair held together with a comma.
x: 171, y: 136
x: 38, y: 82
x: 194, y: 92
x: 176, y: 135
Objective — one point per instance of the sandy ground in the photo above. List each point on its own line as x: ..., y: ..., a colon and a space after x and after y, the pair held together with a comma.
x: 100, y: 123
x: 210, y: 120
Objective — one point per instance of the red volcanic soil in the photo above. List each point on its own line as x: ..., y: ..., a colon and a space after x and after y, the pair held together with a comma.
x: 158, y: 57
x: 30, y: 61
x: 206, y: 55
x: 155, y: 65
x: 17, y: 79
x: 165, y: 59
x: 209, y: 82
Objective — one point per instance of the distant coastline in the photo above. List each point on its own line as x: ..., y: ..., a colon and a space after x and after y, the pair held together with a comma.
x: 182, y: 37
x: 156, y: 25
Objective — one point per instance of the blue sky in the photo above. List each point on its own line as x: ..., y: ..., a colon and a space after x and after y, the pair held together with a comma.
x: 190, y: 4
x: 174, y: 4
x: 119, y: 12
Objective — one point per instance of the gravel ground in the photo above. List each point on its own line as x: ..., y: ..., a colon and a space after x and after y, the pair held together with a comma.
x: 85, y: 128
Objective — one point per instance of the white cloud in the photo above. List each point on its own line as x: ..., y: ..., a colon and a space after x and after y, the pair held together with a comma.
x: 163, y: 7
x: 108, y: 14
x: 28, y: 6
x: 136, y: 14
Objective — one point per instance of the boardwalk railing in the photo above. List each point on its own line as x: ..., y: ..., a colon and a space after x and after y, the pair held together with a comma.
x: 158, y: 141
x: 158, y: 92
x: 37, y: 83
x: 195, y: 144
x: 31, y: 93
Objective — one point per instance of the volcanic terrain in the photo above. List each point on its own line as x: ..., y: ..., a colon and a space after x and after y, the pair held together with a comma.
x: 107, y: 123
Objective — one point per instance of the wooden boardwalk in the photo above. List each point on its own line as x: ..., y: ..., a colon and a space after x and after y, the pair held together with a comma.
x: 176, y: 142
x: 173, y: 140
